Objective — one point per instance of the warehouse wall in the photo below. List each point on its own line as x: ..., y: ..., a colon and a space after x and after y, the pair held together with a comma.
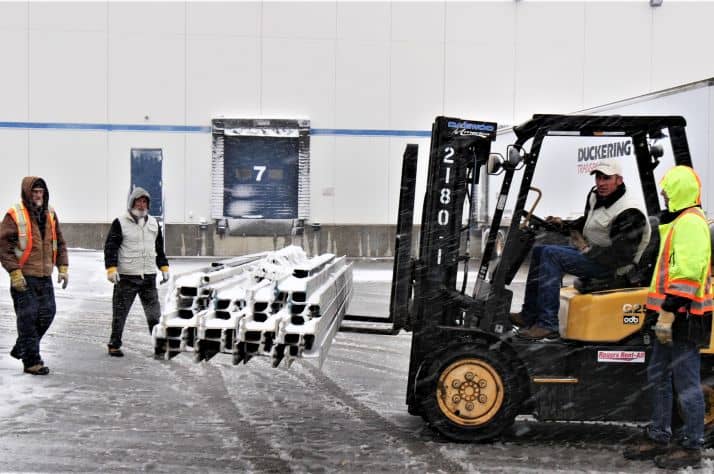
x: 350, y: 66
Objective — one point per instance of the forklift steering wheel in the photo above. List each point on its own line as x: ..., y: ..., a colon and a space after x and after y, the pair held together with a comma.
x: 535, y: 222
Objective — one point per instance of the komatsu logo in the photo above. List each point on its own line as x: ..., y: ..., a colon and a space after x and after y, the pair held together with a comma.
x: 478, y: 127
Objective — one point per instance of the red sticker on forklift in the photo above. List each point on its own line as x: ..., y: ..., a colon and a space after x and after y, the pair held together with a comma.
x: 636, y: 357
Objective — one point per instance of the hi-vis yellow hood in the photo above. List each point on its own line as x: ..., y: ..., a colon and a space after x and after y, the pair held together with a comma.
x: 683, y: 188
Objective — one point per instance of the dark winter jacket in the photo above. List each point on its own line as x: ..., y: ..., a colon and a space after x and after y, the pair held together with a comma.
x: 39, y: 263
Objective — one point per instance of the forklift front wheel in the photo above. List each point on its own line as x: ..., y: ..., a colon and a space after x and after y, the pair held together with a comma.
x: 471, y: 396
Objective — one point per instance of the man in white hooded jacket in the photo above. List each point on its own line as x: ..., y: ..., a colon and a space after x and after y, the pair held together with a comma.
x: 134, y: 249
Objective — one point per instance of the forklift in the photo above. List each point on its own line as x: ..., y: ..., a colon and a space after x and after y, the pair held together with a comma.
x: 469, y: 375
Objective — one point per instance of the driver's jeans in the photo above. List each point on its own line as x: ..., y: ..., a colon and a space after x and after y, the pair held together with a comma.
x: 545, y: 274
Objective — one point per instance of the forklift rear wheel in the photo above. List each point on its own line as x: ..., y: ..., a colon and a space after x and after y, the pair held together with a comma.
x: 471, y: 394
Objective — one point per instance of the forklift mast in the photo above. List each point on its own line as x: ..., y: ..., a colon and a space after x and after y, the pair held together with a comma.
x: 424, y: 291
x: 458, y: 151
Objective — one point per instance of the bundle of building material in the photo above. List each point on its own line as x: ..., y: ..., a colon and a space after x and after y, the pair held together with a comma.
x: 280, y: 304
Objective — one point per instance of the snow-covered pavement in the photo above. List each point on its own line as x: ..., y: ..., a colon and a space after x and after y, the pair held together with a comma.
x: 96, y: 413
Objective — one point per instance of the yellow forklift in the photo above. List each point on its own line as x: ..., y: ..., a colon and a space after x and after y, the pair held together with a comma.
x: 469, y: 376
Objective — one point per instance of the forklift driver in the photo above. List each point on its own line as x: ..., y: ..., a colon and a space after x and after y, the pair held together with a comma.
x: 607, y: 240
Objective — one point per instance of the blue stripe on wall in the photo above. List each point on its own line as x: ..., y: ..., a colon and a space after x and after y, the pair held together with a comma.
x: 107, y: 127
x: 369, y: 133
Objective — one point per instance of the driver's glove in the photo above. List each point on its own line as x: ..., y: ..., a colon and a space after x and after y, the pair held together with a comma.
x: 556, y: 221
x: 559, y: 225
x: 579, y: 241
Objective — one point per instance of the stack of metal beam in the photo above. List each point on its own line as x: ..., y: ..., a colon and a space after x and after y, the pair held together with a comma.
x: 281, y: 305
x: 189, y: 296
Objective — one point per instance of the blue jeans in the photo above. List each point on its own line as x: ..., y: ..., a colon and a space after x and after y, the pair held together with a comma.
x: 35, y: 310
x: 545, y: 274
x: 677, y: 364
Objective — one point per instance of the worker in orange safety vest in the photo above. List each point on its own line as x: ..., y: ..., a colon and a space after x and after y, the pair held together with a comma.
x: 681, y: 294
x: 31, y: 245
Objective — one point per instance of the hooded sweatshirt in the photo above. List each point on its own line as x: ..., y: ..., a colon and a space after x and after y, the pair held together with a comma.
x: 135, y: 245
x: 680, y: 283
x: 39, y: 263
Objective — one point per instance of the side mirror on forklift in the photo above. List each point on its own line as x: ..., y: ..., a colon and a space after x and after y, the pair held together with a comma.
x: 495, y: 164
x: 516, y: 155
x: 656, y: 151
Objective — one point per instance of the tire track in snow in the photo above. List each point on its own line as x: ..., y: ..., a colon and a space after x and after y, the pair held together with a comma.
x: 317, y: 424
x: 434, y: 459
x: 212, y: 389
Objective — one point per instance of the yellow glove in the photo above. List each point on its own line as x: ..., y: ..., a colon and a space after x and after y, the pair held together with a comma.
x: 164, y: 274
x: 63, y: 276
x: 17, y: 281
x: 663, y: 328
x: 112, y: 275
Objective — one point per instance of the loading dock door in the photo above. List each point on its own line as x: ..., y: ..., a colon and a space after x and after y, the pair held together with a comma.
x: 260, y: 169
x: 147, y: 172
x: 261, y: 178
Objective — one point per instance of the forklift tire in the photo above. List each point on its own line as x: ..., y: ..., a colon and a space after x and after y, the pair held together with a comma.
x: 469, y: 394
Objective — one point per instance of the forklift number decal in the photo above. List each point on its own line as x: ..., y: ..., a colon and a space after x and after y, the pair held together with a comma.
x: 630, y: 357
x: 442, y: 217
x: 449, y: 153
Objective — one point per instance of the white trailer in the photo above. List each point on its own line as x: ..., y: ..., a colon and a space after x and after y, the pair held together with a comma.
x: 569, y: 159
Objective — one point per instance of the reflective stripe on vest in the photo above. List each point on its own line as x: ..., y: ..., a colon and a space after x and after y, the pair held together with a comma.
x: 53, y: 230
x: 700, y: 301
x: 24, y: 233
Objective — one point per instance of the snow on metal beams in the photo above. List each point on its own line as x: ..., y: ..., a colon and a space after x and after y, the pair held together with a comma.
x: 281, y: 305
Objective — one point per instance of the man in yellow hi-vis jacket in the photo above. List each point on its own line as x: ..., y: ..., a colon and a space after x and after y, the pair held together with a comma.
x: 681, y: 293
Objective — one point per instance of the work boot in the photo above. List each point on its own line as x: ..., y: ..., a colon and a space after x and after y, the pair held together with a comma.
x: 115, y: 351
x: 517, y: 320
x: 537, y: 333
x: 644, y: 450
x: 37, y: 369
x: 679, y: 457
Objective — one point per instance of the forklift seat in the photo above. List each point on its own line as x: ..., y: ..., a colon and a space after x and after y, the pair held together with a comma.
x: 639, y: 275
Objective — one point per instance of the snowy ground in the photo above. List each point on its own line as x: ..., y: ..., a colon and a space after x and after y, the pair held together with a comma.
x: 136, y: 414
